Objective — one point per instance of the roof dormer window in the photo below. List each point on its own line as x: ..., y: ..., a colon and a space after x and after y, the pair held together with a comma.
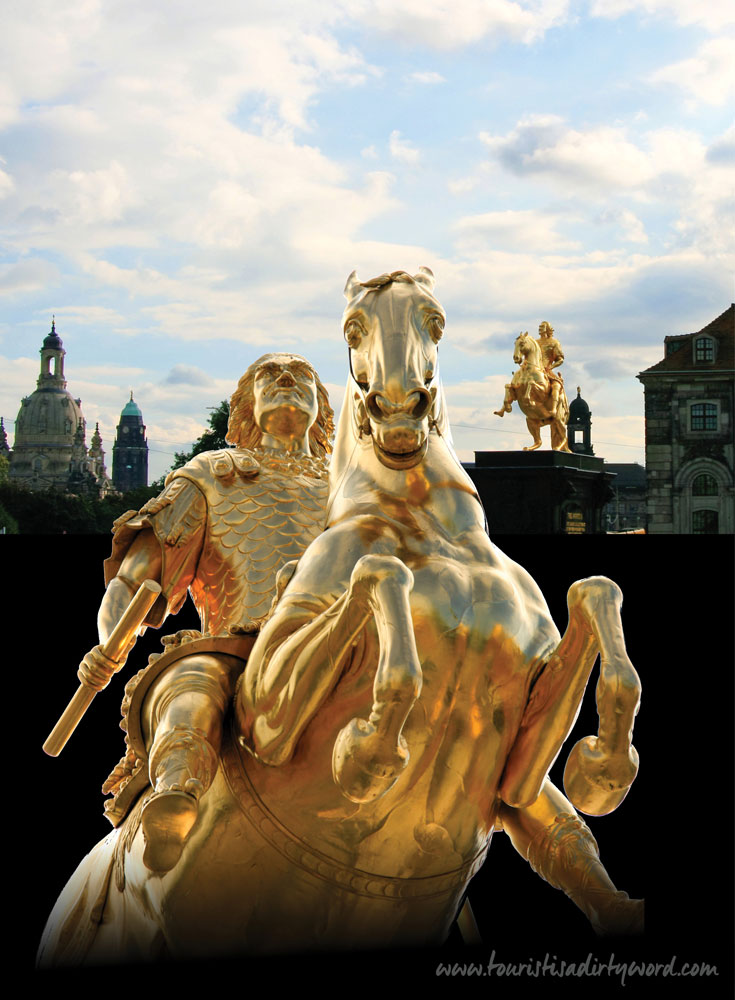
x: 704, y: 350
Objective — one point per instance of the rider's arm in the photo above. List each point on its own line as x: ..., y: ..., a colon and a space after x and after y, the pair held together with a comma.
x: 142, y: 562
x: 161, y: 543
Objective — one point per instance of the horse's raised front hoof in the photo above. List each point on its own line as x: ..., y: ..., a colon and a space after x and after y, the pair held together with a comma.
x: 596, y: 782
x: 363, y: 766
x: 167, y: 820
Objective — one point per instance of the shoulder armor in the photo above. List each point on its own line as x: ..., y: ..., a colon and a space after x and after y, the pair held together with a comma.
x: 221, y: 464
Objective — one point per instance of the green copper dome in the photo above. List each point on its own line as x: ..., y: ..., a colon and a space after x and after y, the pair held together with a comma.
x: 131, y: 409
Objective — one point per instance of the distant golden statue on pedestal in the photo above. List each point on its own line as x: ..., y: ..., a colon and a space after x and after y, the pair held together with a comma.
x: 538, y: 389
x: 404, y: 698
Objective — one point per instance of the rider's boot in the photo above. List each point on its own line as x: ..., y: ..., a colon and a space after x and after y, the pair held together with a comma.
x: 182, y: 718
x: 553, y: 403
x: 182, y: 766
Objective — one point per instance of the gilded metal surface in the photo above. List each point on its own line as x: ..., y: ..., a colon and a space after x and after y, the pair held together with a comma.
x: 538, y: 388
x: 404, y: 700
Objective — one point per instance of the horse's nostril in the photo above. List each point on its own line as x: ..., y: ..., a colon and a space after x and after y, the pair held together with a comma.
x: 419, y: 403
x: 377, y: 406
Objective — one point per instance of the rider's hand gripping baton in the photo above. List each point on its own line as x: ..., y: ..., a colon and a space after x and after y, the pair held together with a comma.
x: 117, y: 646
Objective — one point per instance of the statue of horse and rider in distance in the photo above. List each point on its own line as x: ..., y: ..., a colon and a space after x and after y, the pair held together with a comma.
x: 538, y: 388
x: 328, y: 774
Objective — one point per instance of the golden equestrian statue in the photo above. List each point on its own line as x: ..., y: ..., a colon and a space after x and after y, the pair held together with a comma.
x: 404, y: 699
x: 538, y: 389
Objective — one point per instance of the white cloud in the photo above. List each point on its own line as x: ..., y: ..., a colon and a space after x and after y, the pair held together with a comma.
x: 627, y: 222
x: 713, y: 15
x: 452, y: 24
x: 708, y: 76
x: 666, y: 167
x: 426, y: 76
x: 512, y: 229
x: 599, y: 158
x: 401, y: 149
x: 188, y: 375
x: 6, y: 182
x: 28, y: 274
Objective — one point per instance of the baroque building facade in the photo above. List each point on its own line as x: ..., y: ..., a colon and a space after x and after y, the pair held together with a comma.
x: 50, y: 450
x: 690, y: 452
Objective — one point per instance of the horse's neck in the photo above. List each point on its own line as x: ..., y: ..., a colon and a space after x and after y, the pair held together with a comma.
x: 438, y: 489
x: 533, y: 357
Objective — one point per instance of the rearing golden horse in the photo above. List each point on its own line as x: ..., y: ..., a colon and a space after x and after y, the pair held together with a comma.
x: 407, y: 697
x: 531, y: 388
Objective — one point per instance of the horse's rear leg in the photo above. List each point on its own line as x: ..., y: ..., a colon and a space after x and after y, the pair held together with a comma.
x: 534, y: 429
x: 600, y: 769
x: 370, y: 755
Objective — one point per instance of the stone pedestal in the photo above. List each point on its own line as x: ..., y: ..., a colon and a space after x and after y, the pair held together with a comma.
x: 541, y: 492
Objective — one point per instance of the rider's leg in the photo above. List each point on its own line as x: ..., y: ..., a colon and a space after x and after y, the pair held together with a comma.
x: 561, y: 849
x: 182, y: 717
x: 554, y: 398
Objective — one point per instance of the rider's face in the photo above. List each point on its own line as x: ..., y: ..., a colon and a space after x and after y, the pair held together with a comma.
x: 285, y: 397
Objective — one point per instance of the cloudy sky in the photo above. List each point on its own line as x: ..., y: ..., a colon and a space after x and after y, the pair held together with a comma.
x: 186, y: 186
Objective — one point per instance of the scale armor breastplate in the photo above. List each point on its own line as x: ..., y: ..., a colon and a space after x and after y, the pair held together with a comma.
x: 262, y: 512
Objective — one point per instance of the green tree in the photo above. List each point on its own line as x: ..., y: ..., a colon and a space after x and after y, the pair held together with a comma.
x: 212, y: 438
x: 8, y: 524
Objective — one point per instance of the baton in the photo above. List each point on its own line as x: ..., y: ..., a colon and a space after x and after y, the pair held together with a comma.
x: 117, y: 645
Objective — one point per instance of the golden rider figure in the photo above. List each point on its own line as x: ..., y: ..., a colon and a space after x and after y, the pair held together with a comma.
x: 553, y: 357
x: 222, y: 529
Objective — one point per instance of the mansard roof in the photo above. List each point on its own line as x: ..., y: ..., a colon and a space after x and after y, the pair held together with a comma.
x: 681, y: 358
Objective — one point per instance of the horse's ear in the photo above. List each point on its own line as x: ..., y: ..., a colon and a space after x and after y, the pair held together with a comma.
x: 352, y: 287
x: 425, y: 277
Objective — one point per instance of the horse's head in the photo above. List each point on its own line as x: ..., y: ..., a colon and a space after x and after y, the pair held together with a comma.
x: 393, y: 325
x: 524, y: 346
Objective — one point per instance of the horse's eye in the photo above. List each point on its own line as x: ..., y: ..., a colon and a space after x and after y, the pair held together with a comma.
x: 435, y: 325
x: 353, y: 333
x: 428, y: 376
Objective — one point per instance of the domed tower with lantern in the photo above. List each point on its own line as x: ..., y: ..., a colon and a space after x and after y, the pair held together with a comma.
x: 50, y: 450
x: 579, y: 426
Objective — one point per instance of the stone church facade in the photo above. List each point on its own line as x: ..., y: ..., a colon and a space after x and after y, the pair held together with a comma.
x: 50, y: 449
x: 690, y: 451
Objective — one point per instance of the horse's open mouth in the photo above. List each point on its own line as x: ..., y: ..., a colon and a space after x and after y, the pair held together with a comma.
x: 401, y: 460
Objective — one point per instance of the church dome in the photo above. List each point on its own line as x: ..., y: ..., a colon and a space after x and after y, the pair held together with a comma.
x: 50, y: 449
x: 578, y: 408
x: 52, y: 339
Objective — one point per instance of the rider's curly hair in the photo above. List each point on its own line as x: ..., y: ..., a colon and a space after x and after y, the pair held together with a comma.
x: 242, y: 430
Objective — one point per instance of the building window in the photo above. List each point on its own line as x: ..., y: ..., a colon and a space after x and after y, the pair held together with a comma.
x: 704, y: 486
x: 704, y: 522
x: 704, y: 417
x: 704, y: 350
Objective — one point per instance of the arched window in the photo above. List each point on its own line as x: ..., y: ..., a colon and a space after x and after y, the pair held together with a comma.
x: 704, y: 417
x: 704, y: 350
x: 705, y: 522
x: 704, y: 486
